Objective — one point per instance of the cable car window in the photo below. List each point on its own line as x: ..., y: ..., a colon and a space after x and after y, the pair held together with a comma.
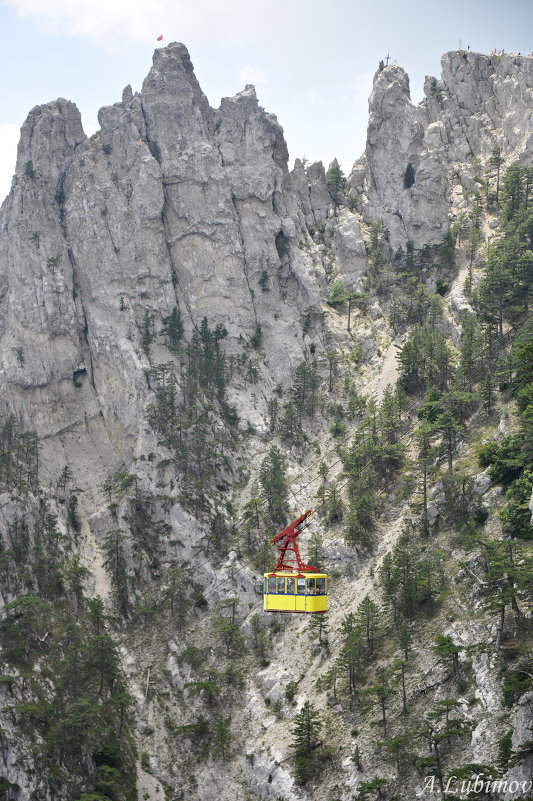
x: 320, y: 586
x: 281, y: 585
x: 301, y: 586
x: 272, y: 584
x: 290, y: 586
x: 264, y: 586
x: 311, y: 586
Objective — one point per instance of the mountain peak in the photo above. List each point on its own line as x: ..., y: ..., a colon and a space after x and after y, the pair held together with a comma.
x: 49, y: 135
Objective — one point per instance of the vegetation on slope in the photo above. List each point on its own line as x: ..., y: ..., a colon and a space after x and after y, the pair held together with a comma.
x: 395, y: 669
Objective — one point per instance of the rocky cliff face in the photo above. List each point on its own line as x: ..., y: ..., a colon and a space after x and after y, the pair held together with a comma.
x: 175, y: 207
x: 169, y: 204
x: 174, y: 203
x: 481, y: 102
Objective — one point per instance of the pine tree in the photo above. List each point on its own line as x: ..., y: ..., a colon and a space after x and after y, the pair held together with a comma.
x: 176, y: 594
x: 315, y: 551
x: 382, y: 689
x: 172, y: 329
x: 222, y: 737
x: 506, y: 567
x: 336, y: 183
x: 147, y: 331
x: 445, y: 646
x: 517, y: 185
x: 332, y: 358
x: 318, y: 628
x: 369, y: 614
x: 274, y: 486
x: 23, y: 624
x: 409, y: 176
x: 332, y: 505
x: 353, y: 655
x: 115, y: 563
x: 305, y: 388
x: 307, y: 726
x: 289, y: 424
x: 75, y: 576
x: 488, y: 394
x: 228, y: 629
x: 370, y: 788
x: 447, y: 425
x: 398, y: 746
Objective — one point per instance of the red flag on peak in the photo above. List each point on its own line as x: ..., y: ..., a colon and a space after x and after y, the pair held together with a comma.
x: 160, y: 38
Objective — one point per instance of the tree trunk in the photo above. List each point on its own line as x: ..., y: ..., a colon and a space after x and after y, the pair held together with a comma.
x: 404, y: 694
x: 384, y: 717
x: 500, y: 629
x: 425, y: 525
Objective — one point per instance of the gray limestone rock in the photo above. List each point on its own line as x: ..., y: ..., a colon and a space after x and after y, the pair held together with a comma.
x: 350, y: 250
x: 175, y: 204
x: 480, y: 102
x: 169, y: 204
x: 482, y: 483
x: 520, y: 776
x: 309, y: 184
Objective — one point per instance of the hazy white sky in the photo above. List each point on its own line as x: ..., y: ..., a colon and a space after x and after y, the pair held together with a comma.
x: 311, y: 61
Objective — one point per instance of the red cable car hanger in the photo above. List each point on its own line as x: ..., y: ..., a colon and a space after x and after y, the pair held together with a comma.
x: 289, y: 555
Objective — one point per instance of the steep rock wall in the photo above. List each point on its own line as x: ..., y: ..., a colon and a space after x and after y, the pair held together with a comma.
x: 169, y: 204
x: 174, y: 204
x: 481, y: 102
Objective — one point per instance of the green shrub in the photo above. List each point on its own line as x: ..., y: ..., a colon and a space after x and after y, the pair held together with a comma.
x: 442, y: 287
x: 256, y: 339
x: 409, y: 176
x: 506, y: 460
x: 263, y: 281
x: 337, y: 294
x: 282, y: 244
x: 30, y: 172
x: 480, y: 515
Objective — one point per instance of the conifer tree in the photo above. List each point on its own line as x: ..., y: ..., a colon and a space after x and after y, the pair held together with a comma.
x: 398, y: 747
x: 409, y: 176
x: 115, y: 563
x: 496, y: 160
x: 274, y: 486
x: 318, y: 627
x: 222, y: 737
x: 381, y: 691
x: 336, y: 183
x: 176, y: 594
x: 445, y: 646
x: 368, y: 614
x: 306, y: 731
x: 172, y: 329
x: 353, y: 655
x: 227, y: 628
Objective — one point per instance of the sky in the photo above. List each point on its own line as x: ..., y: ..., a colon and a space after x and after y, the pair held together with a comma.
x: 312, y: 62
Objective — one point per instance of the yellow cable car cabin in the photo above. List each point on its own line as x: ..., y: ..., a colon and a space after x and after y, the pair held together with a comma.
x: 293, y: 586
x: 295, y: 592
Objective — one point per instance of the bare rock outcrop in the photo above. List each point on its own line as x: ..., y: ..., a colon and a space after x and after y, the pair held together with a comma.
x: 413, y: 153
x: 171, y: 204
